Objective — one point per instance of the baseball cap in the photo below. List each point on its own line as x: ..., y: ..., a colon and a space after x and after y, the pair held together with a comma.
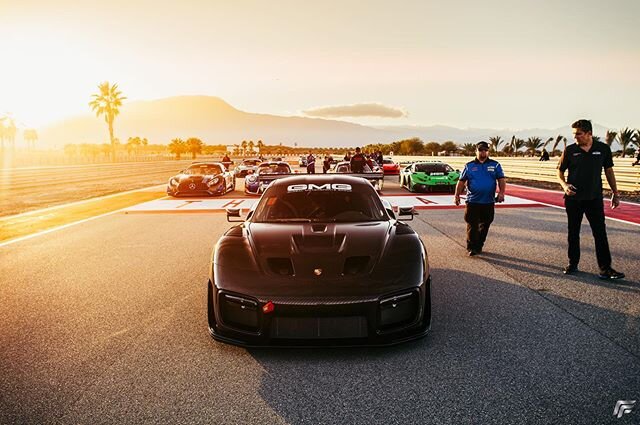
x: 482, y: 145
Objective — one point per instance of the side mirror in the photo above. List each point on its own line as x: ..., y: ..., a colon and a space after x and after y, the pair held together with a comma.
x: 406, y: 211
x: 233, y: 215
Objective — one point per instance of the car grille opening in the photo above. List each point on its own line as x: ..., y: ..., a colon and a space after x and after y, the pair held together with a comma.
x: 184, y: 187
x: 239, y: 312
x: 319, y: 327
x: 399, y: 310
x: 281, y: 266
x: 355, y: 265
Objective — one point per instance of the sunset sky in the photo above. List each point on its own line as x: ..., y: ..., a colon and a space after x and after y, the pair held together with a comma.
x: 490, y: 63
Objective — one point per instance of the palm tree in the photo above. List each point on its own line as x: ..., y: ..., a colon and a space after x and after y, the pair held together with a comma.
x: 10, y: 131
x: 132, y: 144
x: 517, y: 145
x: 250, y: 146
x: 30, y: 136
x: 177, y: 147
x: 596, y: 139
x: 610, y: 137
x: 549, y: 140
x: 495, y: 143
x: 625, y: 137
x: 244, y: 147
x: 559, y: 138
x: 260, y: 146
x: 507, y: 149
x: 533, y: 144
x: 108, y: 102
x: 468, y: 149
x: 194, y: 145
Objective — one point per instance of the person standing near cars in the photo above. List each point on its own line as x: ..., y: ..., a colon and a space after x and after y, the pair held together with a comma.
x: 582, y: 188
x: 357, y: 162
x: 311, y: 164
x: 480, y: 177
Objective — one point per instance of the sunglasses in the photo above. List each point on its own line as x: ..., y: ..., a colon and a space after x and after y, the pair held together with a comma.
x: 483, y: 149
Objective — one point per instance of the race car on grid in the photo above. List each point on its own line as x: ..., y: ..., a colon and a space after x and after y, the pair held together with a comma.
x: 375, y: 176
x: 256, y: 183
x: 201, y: 179
x: 429, y: 177
x: 247, y: 166
x: 390, y: 167
x: 319, y: 260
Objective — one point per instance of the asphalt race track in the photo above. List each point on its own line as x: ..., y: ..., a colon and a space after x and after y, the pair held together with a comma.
x: 105, y: 322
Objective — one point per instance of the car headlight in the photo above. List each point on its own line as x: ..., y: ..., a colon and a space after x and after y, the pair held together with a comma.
x: 252, y: 179
x: 213, y: 181
x: 173, y: 182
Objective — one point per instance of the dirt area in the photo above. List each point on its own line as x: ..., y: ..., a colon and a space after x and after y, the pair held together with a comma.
x: 624, y: 196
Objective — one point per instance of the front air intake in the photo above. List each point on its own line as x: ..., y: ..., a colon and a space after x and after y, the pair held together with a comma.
x: 281, y: 266
x: 239, y: 312
x: 399, y: 310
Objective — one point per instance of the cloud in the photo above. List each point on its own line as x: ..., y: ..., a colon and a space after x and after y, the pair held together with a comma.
x: 356, y: 110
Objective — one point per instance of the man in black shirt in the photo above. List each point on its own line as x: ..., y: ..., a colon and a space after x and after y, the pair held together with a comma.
x: 311, y: 164
x: 585, y: 161
x: 357, y: 162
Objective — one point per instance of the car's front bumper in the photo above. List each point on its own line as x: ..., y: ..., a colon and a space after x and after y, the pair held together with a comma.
x: 370, y: 321
x: 216, y: 190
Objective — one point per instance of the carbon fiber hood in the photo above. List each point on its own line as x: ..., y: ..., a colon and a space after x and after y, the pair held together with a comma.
x: 317, y: 259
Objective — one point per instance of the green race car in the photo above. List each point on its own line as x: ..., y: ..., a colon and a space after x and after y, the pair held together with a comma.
x: 429, y: 177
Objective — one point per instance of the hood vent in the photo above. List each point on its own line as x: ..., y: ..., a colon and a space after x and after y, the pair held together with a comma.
x: 319, y: 228
x: 355, y: 265
x: 281, y: 266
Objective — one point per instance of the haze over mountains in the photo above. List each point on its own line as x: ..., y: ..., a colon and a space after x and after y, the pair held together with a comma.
x: 216, y: 122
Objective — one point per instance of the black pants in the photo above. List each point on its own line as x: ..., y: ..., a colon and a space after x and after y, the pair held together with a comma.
x: 479, y: 218
x: 594, y: 210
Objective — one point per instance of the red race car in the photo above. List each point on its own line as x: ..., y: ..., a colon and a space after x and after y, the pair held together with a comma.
x: 389, y: 167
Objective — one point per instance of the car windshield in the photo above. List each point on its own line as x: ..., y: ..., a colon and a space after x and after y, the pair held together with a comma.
x: 433, y: 168
x: 388, y: 161
x: 274, y: 169
x: 251, y: 162
x: 343, y: 168
x: 321, y: 203
x: 203, y: 169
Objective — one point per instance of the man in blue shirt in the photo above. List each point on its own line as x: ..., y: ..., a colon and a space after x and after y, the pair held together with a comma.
x: 480, y: 177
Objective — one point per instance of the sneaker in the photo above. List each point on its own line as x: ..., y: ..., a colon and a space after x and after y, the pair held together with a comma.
x: 610, y: 274
x: 570, y: 269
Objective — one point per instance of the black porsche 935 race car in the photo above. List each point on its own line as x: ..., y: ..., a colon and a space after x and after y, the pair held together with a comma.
x: 319, y: 260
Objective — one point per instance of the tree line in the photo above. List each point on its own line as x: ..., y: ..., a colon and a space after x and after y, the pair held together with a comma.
x: 532, y: 146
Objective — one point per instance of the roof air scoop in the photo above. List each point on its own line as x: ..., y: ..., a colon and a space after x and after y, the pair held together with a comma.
x: 319, y: 228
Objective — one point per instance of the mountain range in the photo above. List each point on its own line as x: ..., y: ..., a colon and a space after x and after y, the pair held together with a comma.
x: 215, y: 122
